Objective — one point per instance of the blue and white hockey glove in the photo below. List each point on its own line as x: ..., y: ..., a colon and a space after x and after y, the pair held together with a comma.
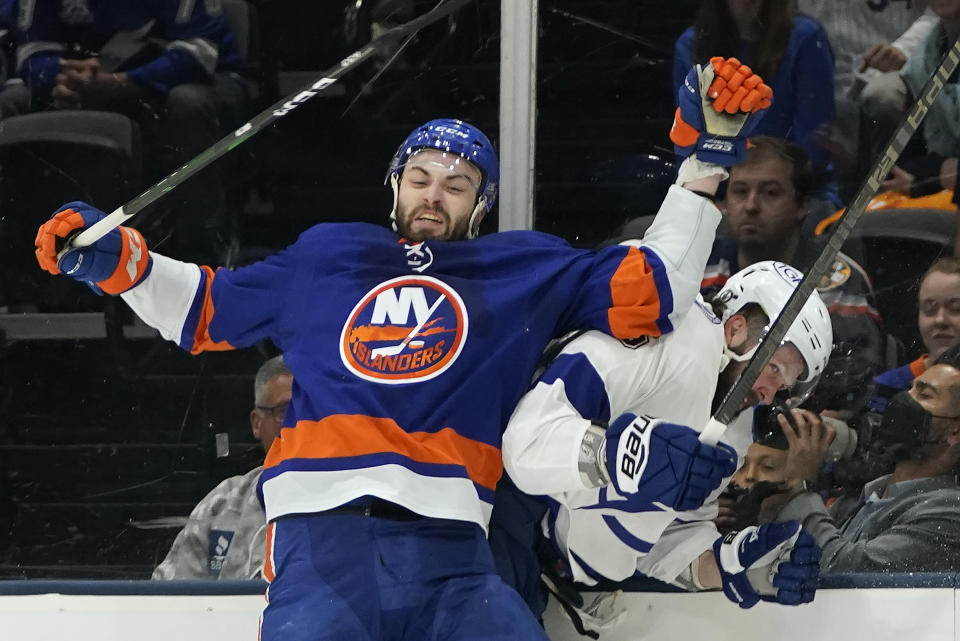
x: 720, y: 105
x: 112, y: 265
x: 653, y: 461
x: 777, y: 562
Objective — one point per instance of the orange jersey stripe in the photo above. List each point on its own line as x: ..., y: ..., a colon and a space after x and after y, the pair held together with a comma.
x: 201, y: 337
x: 268, y: 572
x: 636, y: 302
x: 343, y: 435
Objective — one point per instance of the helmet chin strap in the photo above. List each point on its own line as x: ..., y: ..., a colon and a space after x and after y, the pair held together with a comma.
x: 473, y: 228
x: 395, y: 186
x: 730, y: 355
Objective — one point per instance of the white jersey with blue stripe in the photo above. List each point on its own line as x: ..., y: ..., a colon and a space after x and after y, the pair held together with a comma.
x: 595, y: 379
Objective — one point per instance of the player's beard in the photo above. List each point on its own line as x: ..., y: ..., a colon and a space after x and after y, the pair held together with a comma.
x: 453, y: 230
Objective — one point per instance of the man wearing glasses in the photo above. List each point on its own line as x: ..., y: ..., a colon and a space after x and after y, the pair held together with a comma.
x: 225, y: 535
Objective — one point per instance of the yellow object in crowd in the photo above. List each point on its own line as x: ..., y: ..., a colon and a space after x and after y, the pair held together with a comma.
x: 896, y: 200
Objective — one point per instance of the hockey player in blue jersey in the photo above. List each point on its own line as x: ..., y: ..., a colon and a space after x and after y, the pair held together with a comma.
x: 409, y: 352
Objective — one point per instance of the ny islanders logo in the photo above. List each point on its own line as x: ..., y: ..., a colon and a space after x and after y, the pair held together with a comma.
x: 404, y: 330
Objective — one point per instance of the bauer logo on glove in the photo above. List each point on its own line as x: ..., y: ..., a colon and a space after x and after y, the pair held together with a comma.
x: 719, y: 105
x: 651, y: 461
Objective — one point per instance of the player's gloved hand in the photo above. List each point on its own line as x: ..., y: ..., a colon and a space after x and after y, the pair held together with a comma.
x: 113, y: 264
x: 777, y: 562
x: 650, y: 460
x: 720, y: 105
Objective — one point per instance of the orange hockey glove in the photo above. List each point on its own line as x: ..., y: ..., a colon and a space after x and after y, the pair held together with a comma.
x: 720, y: 104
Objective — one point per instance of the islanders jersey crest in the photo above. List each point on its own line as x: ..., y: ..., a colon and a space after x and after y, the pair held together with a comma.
x: 404, y: 330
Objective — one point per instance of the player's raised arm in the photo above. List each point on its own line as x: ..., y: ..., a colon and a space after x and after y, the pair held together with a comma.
x: 653, y: 285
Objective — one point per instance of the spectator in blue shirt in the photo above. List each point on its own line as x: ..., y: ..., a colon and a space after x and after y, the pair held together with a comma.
x: 790, y: 51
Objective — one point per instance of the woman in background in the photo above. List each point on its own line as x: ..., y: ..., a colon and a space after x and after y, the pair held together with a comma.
x: 791, y: 51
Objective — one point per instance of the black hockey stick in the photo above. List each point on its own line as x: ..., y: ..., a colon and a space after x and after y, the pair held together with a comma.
x: 259, y: 122
x: 878, y: 172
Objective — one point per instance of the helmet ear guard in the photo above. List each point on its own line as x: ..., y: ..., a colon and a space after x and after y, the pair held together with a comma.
x: 394, y: 179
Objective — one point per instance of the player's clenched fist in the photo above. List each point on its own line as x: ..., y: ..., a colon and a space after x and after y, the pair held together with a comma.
x: 113, y: 264
x: 777, y: 562
x: 720, y: 104
x: 649, y: 460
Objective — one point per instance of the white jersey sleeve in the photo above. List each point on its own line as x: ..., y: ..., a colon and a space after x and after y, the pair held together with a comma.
x: 679, y: 545
x: 541, y: 443
x: 596, y: 378
x: 164, y: 298
x: 684, y: 255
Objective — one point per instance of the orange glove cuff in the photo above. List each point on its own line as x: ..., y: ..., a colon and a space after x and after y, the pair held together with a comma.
x: 134, y: 259
x: 682, y: 133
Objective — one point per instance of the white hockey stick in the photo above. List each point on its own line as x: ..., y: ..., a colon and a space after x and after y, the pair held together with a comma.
x: 393, y: 350
x: 260, y: 122
x: 731, y: 403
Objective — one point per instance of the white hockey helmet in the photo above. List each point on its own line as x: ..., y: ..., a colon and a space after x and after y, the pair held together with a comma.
x: 770, y: 284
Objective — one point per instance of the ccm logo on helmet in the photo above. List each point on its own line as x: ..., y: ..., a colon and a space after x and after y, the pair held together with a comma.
x: 404, y: 330
x: 788, y: 273
x: 451, y: 130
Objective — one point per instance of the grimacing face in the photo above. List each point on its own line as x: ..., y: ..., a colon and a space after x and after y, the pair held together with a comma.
x: 781, y: 372
x: 761, y: 203
x: 436, y: 196
x: 938, y: 312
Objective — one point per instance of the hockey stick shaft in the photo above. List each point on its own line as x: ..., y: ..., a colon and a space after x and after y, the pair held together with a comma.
x: 263, y: 120
x: 824, y: 263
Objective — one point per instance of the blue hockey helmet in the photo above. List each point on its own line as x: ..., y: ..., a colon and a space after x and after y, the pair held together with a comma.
x: 460, y: 138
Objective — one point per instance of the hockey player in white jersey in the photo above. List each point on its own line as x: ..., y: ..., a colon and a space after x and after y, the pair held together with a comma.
x: 574, y: 435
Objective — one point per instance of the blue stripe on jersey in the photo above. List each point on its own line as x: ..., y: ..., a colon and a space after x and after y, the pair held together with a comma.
x: 663, y: 289
x: 628, y: 505
x: 437, y: 470
x: 584, y: 387
x: 443, y: 470
x: 589, y: 571
x: 483, y: 493
x: 193, y: 316
x: 624, y: 535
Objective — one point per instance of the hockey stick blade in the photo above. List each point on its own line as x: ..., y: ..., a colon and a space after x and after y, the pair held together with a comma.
x: 261, y: 121
x: 731, y: 403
